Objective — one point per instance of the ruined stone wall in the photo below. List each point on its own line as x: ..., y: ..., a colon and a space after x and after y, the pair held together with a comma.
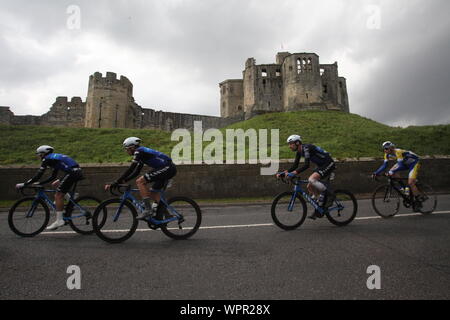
x: 110, y: 104
x: 5, y: 115
x: 342, y: 94
x: 64, y: 113
x: 169, y: 121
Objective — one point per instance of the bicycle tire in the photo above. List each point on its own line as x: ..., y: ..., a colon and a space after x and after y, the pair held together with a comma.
x: 76, y: 223
x: 103, y: 209
x: 343, y: 195
x: 170, y: 228
x: 381, y: 193
x: 13, y: 212
x: 280, y: 223
x: 431, y: 198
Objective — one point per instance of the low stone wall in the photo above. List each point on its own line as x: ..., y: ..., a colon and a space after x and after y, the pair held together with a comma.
x: 232, y: 181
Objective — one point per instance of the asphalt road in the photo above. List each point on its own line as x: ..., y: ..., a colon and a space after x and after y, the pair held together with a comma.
x: 239, y: 254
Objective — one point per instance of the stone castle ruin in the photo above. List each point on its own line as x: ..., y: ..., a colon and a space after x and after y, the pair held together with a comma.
x: 296, y: 82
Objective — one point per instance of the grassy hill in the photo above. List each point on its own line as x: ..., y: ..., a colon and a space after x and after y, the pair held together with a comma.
x: 343, y: 135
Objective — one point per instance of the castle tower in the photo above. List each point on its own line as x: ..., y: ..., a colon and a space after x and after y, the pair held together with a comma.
x: 231, y: 98
x: 262, y: 88
x: 302, y: 84
x: 110, y: 103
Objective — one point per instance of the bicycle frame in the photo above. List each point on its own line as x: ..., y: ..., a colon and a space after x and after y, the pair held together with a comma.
x: 42, y: 194
x: 127, y: 195
x: 391, y: 183
x: 299, y: 190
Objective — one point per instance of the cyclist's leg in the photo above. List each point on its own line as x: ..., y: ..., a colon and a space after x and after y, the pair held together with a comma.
x: 158, y: 178
x: 315, y: 186
x: 412, y: 178
x: 66, y: 183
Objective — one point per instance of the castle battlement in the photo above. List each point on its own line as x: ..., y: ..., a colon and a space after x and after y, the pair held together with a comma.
x: 109, y: 80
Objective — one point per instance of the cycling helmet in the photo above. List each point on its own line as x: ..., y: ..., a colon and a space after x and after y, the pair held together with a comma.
x: 131, y: 141
x: 294, y: 138
x: 44, y: 150
x: 388, y: 144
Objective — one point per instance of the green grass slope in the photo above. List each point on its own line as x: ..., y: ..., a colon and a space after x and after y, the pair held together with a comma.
x: 341, y: 134
x: 349, y: 135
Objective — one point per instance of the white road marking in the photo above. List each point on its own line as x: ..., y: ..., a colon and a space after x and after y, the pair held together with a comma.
x: 249, y: 225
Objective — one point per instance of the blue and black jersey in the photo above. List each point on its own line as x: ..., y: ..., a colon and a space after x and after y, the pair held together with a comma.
x: 142, y: 155
x: 311, y: 153
x: 58, y: 162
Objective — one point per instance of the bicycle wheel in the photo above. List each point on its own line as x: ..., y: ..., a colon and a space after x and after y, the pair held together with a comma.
x: 81, y: 214
x: 429, y: 203
x: 28, y: 217
x: 386, y: 201
x: 114, y: 221
x: 288, y: 212
x: 344, y: 208
x: 192, y: 218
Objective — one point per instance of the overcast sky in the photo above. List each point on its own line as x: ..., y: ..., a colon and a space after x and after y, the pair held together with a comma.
x: 394, y: 53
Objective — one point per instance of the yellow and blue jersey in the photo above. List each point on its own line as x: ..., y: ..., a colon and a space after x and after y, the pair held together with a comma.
x: 405, y: 160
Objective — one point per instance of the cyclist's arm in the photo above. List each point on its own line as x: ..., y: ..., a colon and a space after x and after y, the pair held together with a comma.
x: 400, y: 166
x: 39, y: 174
x: 382, y: 168
x: 51, y: 178
x: 307, y: 160
x: 131, y: 172
x: 305, y: 166
x: 296, y: 162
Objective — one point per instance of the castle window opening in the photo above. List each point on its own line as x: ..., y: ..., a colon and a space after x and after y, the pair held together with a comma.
x: 278, y: 73
x: 264, y: 73
x: 299, y: 66
x: 325, y: 89
x: 322, y: 71
x: 309, y: 65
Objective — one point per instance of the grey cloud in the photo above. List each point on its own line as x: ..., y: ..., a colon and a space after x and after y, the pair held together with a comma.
x: 211, y: 40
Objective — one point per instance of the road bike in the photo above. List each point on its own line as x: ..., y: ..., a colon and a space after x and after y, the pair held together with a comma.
x: 289, y: 209
x: 182, y: 216
x: 30, y: 215
x: 386, y: 198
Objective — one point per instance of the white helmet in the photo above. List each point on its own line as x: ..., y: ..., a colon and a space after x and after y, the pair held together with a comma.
x: 388, y: 144
x: 44, y: 150
x: 131, y: 141
x: 294, y: 138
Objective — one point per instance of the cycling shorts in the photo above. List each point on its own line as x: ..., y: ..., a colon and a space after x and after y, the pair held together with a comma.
x: 160, y: 177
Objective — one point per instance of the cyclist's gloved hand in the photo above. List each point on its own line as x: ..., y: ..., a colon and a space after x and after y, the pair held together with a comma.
x: 280, y: 174
x: 115, y: 184
x: 291, y: 175
x: 20, y: 186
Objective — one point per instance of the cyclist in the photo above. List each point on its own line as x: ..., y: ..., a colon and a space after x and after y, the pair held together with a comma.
x: 163, y: 169
x: 58, y: 162
x: 406, y: 160
x: 325, y: 165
